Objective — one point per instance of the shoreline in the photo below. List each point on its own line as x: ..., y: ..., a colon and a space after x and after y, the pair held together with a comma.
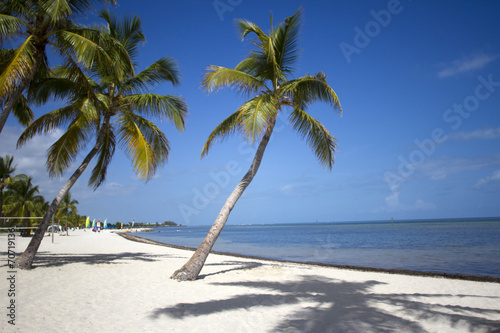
x: 465, y: 277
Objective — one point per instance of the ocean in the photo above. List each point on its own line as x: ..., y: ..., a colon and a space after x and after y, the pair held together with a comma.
x: 453, y: 246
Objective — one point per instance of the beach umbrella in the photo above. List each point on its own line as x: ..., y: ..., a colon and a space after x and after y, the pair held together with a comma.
x: 87, y: 222
x: 105, y: 223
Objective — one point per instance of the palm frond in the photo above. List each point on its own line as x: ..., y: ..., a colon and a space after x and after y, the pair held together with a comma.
x: 245, y: 27
x: 255, y: 115
x: 54, y: 88
x: 162, y: 70
x: 316, y: 135
x: 228, y: 126
x: 56, y: 10
x: 144, y: 143
x: 84, y: 44
x: 256, y: 64
x: 22, y: 111
x: 105, y: 154
x: 285, y: 40
x: 47, y: 122
x: 251, y: 119
x: 218, y: 77
x: 20, y: 66
x: 308, y: 89
x: 10, y: 25
x: 83, y: 6
x: 64, y: 151
x: 171, y: 107
x: 128, y: 32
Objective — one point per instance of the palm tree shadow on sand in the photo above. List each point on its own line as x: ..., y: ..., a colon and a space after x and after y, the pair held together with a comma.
x: 48, y: 259
x: 331, y: 305
x: 234, y: 266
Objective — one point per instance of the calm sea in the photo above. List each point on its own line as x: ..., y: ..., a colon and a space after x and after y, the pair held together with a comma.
x: 455, y: 246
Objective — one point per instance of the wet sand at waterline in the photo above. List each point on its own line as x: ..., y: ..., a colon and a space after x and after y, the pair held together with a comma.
x: 103, y: 282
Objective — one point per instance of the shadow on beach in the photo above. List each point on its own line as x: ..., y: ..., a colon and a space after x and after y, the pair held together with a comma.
x: 330, y: 305
x: 241, y: 265
x: 48, y: 259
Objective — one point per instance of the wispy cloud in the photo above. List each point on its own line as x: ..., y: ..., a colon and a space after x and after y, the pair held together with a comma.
x: 481, y: 134
x: 442, y: 167
x: 466, y: 64
x: 495, y: 177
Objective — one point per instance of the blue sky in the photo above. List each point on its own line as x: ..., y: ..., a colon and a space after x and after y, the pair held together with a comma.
x: 419, y: 83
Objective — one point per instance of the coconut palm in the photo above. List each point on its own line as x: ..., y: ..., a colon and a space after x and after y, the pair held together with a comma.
x: 265, y: 74
x: 68, y: 207
x: 36, y: 25
x: 111, y: 104
x: 22, y: 200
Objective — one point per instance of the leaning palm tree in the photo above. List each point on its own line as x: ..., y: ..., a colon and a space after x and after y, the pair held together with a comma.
x: 110, y: 103
x: 36, y: 25
x: 68, y: 207
x: 265, y: 73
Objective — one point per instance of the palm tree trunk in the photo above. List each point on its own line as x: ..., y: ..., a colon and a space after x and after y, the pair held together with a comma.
x: 192, y: 268
x: 25, y: 260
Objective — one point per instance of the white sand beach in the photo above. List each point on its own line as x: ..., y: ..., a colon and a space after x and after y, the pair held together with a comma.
x: 101, y: 282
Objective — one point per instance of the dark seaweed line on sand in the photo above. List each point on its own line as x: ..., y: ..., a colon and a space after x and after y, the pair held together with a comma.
x: 356, y: 268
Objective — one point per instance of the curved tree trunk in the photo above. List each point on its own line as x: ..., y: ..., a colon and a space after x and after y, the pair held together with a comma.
x: 192, y: 268
x: 25, y: 260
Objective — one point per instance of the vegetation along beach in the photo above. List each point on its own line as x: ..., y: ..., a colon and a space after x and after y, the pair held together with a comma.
x: 235, y: 166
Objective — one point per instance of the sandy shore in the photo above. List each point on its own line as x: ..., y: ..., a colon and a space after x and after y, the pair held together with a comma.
x: 101, y: 282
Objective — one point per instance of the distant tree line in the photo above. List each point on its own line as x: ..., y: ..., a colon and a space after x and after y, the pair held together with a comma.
x: 20, y: 198
x: 118, y: 225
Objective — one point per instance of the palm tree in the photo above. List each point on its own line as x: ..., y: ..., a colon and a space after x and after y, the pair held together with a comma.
x: 22, y: 200
x: 113, y: 110
x: 68, y: 207
x: 36, y: 25
x: 265, y: 73
x: 6, y: 173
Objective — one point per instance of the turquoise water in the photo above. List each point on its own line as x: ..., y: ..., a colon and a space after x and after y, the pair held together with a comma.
x: 455, y: 246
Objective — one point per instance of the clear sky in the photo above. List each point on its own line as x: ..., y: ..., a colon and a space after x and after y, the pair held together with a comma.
x: 419, y: 83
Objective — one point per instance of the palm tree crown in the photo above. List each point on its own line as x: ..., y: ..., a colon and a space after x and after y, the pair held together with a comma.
x: 114, y: 103
x: 266, y: 73
x: 35, y: 25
